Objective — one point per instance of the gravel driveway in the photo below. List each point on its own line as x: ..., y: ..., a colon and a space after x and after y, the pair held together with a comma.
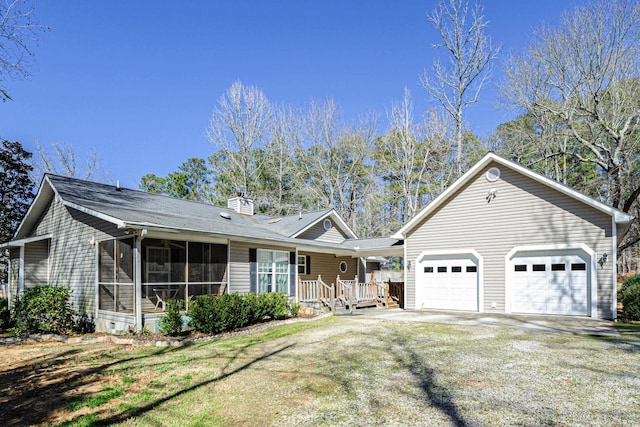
x: 385, y: 372
x: 336, y: 371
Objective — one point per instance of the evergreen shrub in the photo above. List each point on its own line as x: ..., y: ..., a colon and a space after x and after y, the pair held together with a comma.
x: 171, y: 322
x: 45, y: 309
x: 214, y: 314
x: 630, y: 298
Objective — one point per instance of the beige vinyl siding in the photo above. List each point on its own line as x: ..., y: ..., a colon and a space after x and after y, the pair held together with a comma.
x: 523, y: 213
x: 317, y: 232
x: 14, y: 271
x: 36, y: 264
x: 328, y: 266
x: 239, y: 280
x: 72, y: 256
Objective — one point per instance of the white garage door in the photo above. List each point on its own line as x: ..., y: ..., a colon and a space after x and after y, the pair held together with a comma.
x: 448, y: 284
x: 551, y: 284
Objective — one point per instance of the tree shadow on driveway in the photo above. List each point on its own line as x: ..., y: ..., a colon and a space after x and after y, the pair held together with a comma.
x: 435, y: 394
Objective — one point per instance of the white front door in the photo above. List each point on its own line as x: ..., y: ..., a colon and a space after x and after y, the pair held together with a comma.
x: 447, y: 283
x: 549, y: 284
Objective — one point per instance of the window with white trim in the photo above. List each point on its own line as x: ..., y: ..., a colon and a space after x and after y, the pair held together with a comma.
x: 302, y: 264
x: 343, y: 266
x: 273, y: 271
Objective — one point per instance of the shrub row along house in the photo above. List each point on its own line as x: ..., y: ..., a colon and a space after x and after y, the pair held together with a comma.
x: 501, y: 239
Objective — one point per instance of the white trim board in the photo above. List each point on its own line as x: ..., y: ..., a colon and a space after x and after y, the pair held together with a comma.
x: 617, y: 215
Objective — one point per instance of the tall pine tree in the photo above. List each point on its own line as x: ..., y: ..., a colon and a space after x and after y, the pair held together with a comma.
x: 16, y: 193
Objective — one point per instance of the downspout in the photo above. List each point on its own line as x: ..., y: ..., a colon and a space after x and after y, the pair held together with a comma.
x: 138, y: 279
x: 228, y: 287
x: 8, y: 284
x: 614, y: 267
x: 297, y: 279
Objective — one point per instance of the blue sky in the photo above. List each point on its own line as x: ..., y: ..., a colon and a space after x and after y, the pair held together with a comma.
x: 137, y: 80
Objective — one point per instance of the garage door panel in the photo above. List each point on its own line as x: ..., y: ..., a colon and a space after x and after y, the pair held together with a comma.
x: 449, y: 284
x: 549, y: 284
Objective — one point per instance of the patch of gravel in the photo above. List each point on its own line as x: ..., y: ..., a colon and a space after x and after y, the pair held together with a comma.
x: 395, y: 374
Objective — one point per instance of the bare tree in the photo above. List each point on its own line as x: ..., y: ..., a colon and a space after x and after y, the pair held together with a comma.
x: 281, y: 184
x: 336, y: 162
x: 62, y: 159
x: 414, y: 157
x: 584, y: 73
x: 456, y: 83
x: 19, y: 31
x: 239, y: 124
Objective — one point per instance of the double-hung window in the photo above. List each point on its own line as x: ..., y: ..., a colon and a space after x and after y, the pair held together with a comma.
x: 273, y: 271
x: 302, y: 265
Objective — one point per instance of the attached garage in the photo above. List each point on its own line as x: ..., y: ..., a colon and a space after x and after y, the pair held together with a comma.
x: 550, y: 282
x: 537, y: 246
x: 448, y: 281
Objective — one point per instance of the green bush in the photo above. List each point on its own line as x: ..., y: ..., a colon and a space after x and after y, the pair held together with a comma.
x: 5, y: 314
x: 630, y: 298
x: 214, y: 314
x: 274, y: 305
x: 45, y: 309
x: 171, y: 322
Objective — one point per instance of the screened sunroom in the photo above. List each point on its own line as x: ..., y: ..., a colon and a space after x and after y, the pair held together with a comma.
x: 169, y: 270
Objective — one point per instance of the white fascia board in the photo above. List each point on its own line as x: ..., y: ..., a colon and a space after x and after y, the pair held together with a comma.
x: 337, y: 218
x: 299, y: 232
x: 289, y: 243
x: 619, y: 216
x: 88, y: 211
x: 21, y: 242
x: 35, y: 204
x: 401, y: 234
x: 343, y: 224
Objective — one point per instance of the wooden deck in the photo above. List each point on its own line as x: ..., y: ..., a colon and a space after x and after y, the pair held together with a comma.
x: 350, y: 294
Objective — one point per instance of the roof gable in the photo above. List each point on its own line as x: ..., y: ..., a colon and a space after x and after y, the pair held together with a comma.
x: 337, y: 221
x: 135, y: 209
x: 617, y: 215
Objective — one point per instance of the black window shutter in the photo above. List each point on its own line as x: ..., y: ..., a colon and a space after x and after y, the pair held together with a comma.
x: 308, y: 266
x: 292, y: 273
x: 253, y: 270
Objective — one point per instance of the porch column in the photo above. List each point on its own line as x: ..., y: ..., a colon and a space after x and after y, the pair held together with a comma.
x: 138, y: 281
x: 21, y: 272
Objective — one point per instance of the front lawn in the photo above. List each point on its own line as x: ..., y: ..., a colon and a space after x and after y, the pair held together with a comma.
x: 335, y: 371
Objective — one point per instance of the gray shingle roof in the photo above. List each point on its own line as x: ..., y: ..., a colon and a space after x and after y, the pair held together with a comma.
x: 137, y: 209
x: 291, y: 224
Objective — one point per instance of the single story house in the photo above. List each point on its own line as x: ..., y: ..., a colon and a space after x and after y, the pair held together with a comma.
x: 501, y: 239
x: 505, y: 239
x: 124, y: 252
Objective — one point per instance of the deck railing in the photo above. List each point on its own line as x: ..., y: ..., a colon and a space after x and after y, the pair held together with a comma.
x: 312, y: 291
x: 353, y: 293
x: 346, y: 292
x: 396, y: 292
